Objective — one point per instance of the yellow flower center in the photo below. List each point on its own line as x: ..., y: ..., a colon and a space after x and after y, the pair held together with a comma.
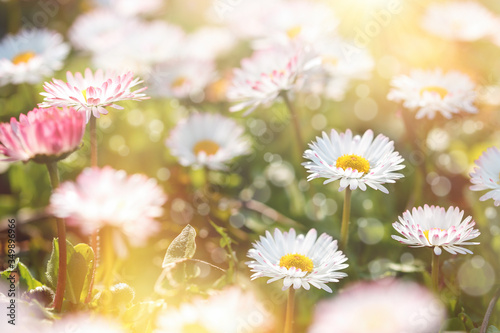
x: 208, y: 146
x: 294, y: 31
x: 354, y: 162
x: 23, y: 57
x: 194, y: 328
x: 442, y: 92
x: 84, y: 93
x: 298, y: 261
x: 426, y: 232
x: 179, y: 82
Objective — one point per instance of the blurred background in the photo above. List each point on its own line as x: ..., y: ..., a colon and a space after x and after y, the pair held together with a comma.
x: 268, y: 188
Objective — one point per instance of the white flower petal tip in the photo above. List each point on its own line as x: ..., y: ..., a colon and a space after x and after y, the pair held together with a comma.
x: 486, y: 175
x: 356, y: 161
x: 433, y: 226
x: 300, y: 260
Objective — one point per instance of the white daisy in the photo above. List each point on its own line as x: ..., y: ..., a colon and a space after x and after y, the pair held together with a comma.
x: 341, y: 63
x: 430, y: 92
x: 140, y: 46
x: 31, y: 55
x: 486, y: 175
x: 357, y: 161
x: 384, y: 306
x: 181, y: 78
x: 131, y: 8
x: 206, y: 139
x: 436, y: 227
x: 298, y: 21
x: 244, y: 19
x: 229, y: 311
x: 207, y: 43
x: 458, y: 20
x: 266, y: 74
x: 96, y: 30
x: 300, y: 260
x: 92, y: 93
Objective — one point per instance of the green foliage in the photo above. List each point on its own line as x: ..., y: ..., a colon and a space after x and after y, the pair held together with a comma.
x: 26, y: 280
x: 80, y: 262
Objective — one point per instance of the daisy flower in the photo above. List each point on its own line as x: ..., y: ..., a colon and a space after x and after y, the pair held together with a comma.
x: 92, y: 93
x: 31, y: 55
x: 458, y: 20
x: 437, y: 228
x: 108, y: 197
x: 231, y: 310
x: 207, y: 43
x: 131, y: 8
x: 158, y: 41
x: 296, y: 22
x: 357, y: 161
x: 341, y: 63
x: 42, y: 135
x: 206, y: 139
x: 262, y: 78
x: 181, y: 78
x: 301, y: 261
x: 430, y: 92
x: 96, y: 30
x: 246, y: 19
x: 486, y: 175
x: 384, y: 306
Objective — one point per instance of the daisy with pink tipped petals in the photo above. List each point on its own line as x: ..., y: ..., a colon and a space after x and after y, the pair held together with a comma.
x: 301, y: 261
x: 42, y: 135
x: 486, y: 175
x: 433, y: 226
x: 92, y: 92
x: 266, y: 74
x: 108, y: 197
x: 357, y: 161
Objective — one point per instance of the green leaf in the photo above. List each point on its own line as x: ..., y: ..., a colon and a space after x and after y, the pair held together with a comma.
x: 182, y: 247
x: 88, y: 254
x: 492, y: 329
x: 454, y: 324
x: 78, y: 261
x: 26, y: 280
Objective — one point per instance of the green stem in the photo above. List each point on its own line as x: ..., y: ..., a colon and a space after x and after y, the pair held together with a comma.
x: 107, y: 255
x: 93, y: 141
x: 61, y: 240
x: 295, y: 119
x: 435, y: 272
x: 346, y: 214
x: 289, y: 310
x: 94, y: 237
x: 489, y: 311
